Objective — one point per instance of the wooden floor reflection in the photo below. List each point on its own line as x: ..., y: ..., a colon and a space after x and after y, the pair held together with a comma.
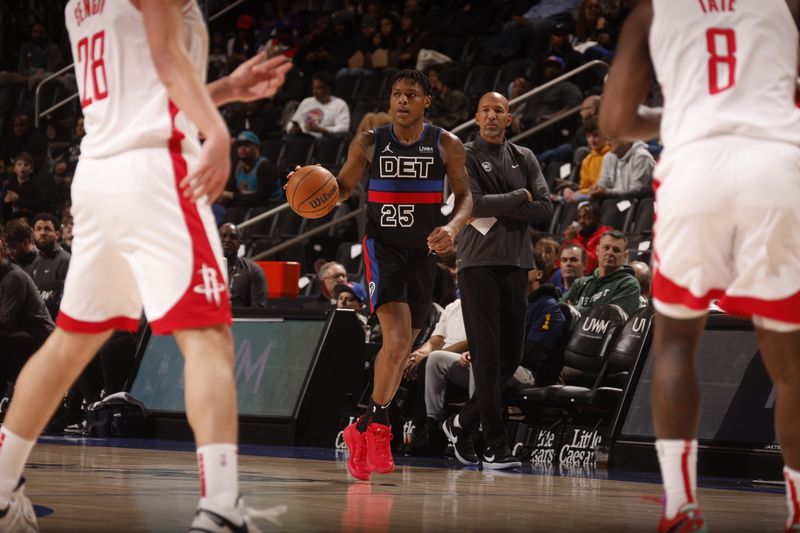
x: 81, y: 488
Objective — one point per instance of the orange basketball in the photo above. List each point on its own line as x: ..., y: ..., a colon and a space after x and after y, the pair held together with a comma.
x: 312, y: 191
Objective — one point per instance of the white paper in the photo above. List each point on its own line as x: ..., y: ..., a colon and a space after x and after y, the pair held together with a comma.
x: 623, y: 205
x: 483, y: 224
x: 355, y: 250
x: 447, y: 208
x: 303, y: 282
x: 582, y: 47
x: 565, y: 171
x: 644, y: 246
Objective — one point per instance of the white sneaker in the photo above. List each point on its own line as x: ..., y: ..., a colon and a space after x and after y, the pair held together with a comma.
x: 19, y: 516
x: 213, y: 520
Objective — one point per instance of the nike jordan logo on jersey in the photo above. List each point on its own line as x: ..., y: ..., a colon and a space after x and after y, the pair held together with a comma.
x: 387, y: 149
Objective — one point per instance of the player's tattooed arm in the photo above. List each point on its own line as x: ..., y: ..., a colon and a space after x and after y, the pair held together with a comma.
x: 629, y: 81
x: 359, y: 155
x: 442, y: 238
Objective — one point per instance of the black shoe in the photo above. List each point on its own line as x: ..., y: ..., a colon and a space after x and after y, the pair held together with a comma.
x: 499, y: 458
x: 463, y: 446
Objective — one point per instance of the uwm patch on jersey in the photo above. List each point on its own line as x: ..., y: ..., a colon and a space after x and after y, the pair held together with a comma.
x: 405, y: 188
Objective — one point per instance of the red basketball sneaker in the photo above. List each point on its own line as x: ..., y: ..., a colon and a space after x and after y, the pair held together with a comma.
x: 793, y: 527
x: 688, y: 520
x: 357, y: 445
x: 379, y: 453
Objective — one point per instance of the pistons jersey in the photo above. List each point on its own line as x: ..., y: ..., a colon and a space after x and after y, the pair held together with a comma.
x: 726, y: 67
x: 404, y: 194
x: 125, y: 105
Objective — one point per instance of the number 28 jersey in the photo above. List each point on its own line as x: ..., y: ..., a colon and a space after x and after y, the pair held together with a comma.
x: 125, y: 104
x: 726, y: 67
x: 404, y: 194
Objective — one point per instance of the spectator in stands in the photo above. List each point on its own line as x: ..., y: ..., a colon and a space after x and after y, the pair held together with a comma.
x: 351, y: 296
x: 49, y: 269
x: 412, y: 38
x: 385, y: 43
x: 593, y: 31
x: 262, y: 117
x: 560, y: 45
x: 24, y: 138
x: 533, y: 26
x: 25, y: 322
x: 254, y: 180
x: 612, y: 283
x: 65, y: 236
x: 322, y: 113
x: 242, y: 46
x: 450, y: 106
x: 61, y: 188
x: 573, y: 266
x: 548, y: 256
x: 25, y: 193
x: 38, y: 58
x: 329, y: 275
x: 592, y: 163
x: 645, y: 278
x: 282, y: 42
x: 19, y: 243
x: 246, y: 280
x: 627, y: 172
x: 544, y: 327
x: 519, y: 87
x: 72, y: 152
x: 587, y: 231
x: 553, y: 101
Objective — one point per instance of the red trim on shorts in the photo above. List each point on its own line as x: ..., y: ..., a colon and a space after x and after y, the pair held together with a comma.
x: 382, y: 197
x: 206, y: 301
x: 785, y: 310
x: 687, y: 480
x: 73, y: 325
x: 669, y: 292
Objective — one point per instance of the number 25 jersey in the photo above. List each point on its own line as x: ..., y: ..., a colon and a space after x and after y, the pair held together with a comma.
x: 404, y: 194
x: 125, y: 104
x: 726, y: 67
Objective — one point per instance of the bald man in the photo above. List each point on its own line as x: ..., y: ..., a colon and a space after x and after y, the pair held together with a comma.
x: 494, y: 255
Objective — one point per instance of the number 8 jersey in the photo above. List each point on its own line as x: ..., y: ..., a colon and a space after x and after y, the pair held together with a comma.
x: 404, y: 197
x: 743, y: 58
x: 112, y: 58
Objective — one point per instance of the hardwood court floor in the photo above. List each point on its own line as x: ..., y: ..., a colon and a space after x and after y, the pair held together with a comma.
x: 94, y: 488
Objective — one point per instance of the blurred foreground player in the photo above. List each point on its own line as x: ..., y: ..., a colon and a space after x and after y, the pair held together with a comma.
x: 407, y: 161
x: 728, y: 225
x: 144, y: 233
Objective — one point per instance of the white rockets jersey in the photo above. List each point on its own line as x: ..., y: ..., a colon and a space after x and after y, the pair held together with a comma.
x: 125, y: 105
x: 726, y: 67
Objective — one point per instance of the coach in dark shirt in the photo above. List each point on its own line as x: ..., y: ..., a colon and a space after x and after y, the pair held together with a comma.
x: 24, y: 321
x: 494, y: 255
x: 246, y: 280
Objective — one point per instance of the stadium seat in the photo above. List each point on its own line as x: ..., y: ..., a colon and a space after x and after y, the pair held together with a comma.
x: 295, y: 152
x: 236, y: 214
x: 565, y: 216
x: 350, y: 255
x: 329, y: 152
x: 271, y: 149
x: 345, y: 86
x: 617, y: 212
x: 509, y: 72
x: 481, y: 79
x: 372, y: 86
x: 358, y: 110
x: 294, y: 88
x: 643, y: 223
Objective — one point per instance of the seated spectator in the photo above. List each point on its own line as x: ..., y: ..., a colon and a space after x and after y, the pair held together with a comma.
x: 246, y: 280
x: 548, y: 252
x: 612, y: 283
x: 560, y: 45
x: 65, y: 236
x: 592, y: 163
x: 553, y: 101
x: 627, y: 172
x: 586, y: 232
x: 72, y: 152
x: 49, y: 269
x: 242, y: 46
x: 352, y: 295
x: 24, y: 138
x: 329, y: 275
x: 412, y: 38
x: 573, y: 266
x: 567, y: 151
x: 19, y: 243
x: 262, y: 117
x: 645, y: 278
x: 592, y: 31
x: 518, y: 87
x: 385, y: 44
x: 38, y: 58
x: 322, y: 113
x: 254, y: 181
x: 25, y: 322
x: 450, y: 106
x: 24, y: 195
x: 544, y: 327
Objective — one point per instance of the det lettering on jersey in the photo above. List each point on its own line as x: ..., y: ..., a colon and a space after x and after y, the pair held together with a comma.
x: 405, y: 166
x: 716, y: 6
x: 86, y: 8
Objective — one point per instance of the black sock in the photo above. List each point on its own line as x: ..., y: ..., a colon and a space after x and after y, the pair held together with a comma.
x: 363, y: 422
x: 376, y: 413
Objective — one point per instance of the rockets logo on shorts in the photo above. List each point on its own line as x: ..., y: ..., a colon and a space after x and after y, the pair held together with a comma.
x: 211, y: 287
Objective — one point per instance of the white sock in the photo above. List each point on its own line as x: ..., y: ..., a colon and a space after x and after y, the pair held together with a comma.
x: 678, y: 461
x: 792, y: 478
x: 219, y: 480
x: 14, y: 451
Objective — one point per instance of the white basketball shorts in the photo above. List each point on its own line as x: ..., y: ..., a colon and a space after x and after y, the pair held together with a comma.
x: 139, y: 242
x: 728, y: 227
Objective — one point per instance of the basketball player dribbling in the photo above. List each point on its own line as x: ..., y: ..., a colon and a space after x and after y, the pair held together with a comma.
x: 407, y: 161
x: 728, y: 190
x: 144, y: 233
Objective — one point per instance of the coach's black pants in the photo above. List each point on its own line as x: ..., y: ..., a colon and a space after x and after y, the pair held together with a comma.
x: 494, y: 303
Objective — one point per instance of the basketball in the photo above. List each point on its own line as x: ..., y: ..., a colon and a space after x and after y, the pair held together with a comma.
x: 312, y: 191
